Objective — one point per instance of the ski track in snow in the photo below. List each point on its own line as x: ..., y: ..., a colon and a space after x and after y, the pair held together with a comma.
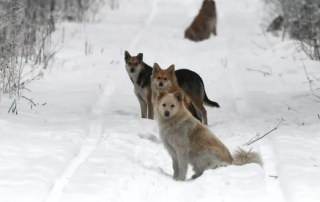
x: 95, y: 125
x: 147, y: 23
x: 94, y: 135
x: 271, y: 176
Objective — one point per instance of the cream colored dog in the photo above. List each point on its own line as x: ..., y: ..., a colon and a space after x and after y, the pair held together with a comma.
x: 189, y: 141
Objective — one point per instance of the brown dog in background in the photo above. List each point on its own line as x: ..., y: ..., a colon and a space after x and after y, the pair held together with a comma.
x: 204, y: 23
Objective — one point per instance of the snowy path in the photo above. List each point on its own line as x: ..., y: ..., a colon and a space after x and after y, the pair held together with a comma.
x: 90, y: 144
x: 95, y: 127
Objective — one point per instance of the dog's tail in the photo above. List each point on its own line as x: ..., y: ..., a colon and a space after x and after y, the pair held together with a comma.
x: 206, y: 100
x: 242, y: 157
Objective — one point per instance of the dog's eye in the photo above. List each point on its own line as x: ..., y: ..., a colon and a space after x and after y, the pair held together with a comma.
x: 130, y: 63
x: 164, y: 105
x: 165, y: 78
x: 159, y: 77
x: 172, y: 105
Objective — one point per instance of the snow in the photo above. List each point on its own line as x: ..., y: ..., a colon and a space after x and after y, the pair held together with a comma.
x: 88, y: 143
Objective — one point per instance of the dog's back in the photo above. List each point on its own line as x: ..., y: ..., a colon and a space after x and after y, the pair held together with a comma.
x: 144, y: 78
x: 204, y: 23
x: 190, y: 82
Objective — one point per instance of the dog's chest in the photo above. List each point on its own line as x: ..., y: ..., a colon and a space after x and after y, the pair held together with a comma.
x: 169, y: 134
x: 141, y: 92
x: 211, y: 23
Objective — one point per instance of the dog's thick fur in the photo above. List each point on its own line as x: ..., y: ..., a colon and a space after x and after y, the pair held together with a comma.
x: 190, y: 83
x: 140, y: 75
x: 204, y: 23
x: 189, y: 141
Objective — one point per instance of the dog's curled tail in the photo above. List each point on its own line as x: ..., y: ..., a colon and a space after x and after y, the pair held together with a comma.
x: 242, y: 157
x: 206, y: 100
x: 209, y: 102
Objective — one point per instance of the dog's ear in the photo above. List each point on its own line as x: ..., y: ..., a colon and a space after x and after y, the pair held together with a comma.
x: 140, y: 57
x: 171, y: 69
x: 126, y: 55
x: 156, y: 68
x: 179, y: 95
x: 161, y: 93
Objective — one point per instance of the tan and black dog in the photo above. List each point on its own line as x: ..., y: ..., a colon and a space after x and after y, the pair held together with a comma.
x: 190, y: 83
x: 140, y: 75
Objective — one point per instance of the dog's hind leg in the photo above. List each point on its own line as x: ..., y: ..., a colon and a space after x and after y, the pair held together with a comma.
x: 194, y: 111
x: 149, y: 104
x: 198, y: 103
x: 206, y: 160
x: 199, y: 115
x: 197, y: 172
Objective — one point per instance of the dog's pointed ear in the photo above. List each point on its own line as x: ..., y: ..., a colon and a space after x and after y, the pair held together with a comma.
x: 156, y: 68
x: 140, y: 57
x: 171, y: 69
x: 126, y: 55
x: 179, y: 95
x: 161, y: 93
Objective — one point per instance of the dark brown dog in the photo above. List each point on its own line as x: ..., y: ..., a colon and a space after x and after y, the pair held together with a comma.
x: 204, y: 23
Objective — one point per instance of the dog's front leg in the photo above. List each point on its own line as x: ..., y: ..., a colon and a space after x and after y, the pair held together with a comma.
x: 174, y: 158
x: 175, y: 167
x: 143, y: 107
x: 182, y: 155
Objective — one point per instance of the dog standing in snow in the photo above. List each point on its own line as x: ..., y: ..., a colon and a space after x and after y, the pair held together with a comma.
x: 140, y: 75
x: 189, y: 141
x: 204, y: 23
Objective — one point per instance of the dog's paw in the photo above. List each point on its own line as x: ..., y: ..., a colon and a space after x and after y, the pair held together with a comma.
x: 179, y: 178
x: 195, y: 176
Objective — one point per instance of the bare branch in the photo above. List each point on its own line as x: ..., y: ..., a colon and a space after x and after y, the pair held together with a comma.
x: 256, y: 70
x: 29, y: 100
x: 256, y: 138
x: 309, y: 82
x: 290, y: 108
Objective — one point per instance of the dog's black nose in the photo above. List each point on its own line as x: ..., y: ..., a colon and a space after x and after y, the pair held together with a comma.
x: 132, y: 70
x: 160, y: 84
x: 166, y: 113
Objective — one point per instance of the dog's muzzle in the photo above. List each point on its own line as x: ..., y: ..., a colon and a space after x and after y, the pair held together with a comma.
x: 160, y: 84
x: 132, y: 70
x: 167, y: 114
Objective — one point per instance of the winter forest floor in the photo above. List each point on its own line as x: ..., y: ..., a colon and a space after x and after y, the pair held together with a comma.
x: 88, y: 143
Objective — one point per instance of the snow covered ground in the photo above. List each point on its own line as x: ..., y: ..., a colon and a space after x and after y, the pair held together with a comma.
x: 88, y: 143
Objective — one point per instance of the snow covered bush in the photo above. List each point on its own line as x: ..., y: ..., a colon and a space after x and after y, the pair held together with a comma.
x: 25, y: 29
x: 25, y: 35
x: 301, y: 21
x: 77, y: 10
